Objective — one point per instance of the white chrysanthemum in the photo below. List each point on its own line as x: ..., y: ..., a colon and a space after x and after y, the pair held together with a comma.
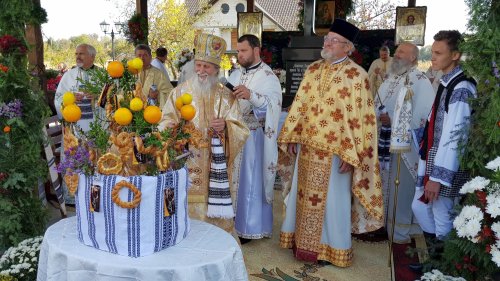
x: 495, y: 255
x: 437, y: 275
x: 493, y: 205
x: 477, y: 183
x: 468, y: 223
x: 494, y: 165
x: 496, y: 228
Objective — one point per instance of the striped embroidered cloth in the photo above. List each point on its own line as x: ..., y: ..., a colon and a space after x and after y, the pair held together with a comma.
x: 133, y: 232
x: 219, y: 194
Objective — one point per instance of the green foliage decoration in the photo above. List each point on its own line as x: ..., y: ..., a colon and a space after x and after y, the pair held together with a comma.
x: 21, y: 165
x: 483, y: 56
x: 463, y: 257
x: 136, y: 30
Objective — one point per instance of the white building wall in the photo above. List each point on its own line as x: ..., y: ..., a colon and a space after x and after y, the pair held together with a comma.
x: 217, y: 23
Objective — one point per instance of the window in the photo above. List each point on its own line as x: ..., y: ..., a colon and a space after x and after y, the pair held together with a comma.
x: 224, y: 8
x: 240, y: 8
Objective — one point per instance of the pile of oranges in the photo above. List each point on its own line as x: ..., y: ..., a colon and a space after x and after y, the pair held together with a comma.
x: 70, y: 111
x: 183, y: 104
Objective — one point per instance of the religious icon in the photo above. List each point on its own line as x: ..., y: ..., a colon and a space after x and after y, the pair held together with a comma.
x: 323, y: 16
x: 95, y: 194
x: 410, y: 25
x: 169, y: 198
x: 250, y: 23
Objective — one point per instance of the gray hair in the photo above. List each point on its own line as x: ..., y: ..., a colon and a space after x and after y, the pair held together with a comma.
x: 384, y: 49
x: 90, y: 49
x: 143, y: 47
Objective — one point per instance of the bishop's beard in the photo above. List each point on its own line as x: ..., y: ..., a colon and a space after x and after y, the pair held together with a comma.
x: 203, y: 83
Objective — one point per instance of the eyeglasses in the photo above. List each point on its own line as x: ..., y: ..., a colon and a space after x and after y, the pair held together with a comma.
x: 332, y: 40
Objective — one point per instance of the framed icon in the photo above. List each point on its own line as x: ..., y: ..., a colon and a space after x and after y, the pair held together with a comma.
x: 324, y: 14
x: 410, y: 25
x: 250, y: 23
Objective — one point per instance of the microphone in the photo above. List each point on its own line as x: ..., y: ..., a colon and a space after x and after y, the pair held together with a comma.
x: 226, y: 83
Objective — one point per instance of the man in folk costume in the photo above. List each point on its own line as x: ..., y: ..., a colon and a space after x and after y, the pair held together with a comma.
x: 379, y: 69
x: 405, y: 84
x: 332, y: 128
x: 217, y: 116
x: 258, y: 91
x: 155, y: 85
x: 72, y: 81
x: 439, y: 176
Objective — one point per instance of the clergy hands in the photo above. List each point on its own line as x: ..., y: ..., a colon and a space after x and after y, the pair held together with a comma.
x: 218, y: 124
x: 345, y: 167
x: 241, y: 92
x: 431, y: 190
x: 292, y: 148
x: 385, y: 119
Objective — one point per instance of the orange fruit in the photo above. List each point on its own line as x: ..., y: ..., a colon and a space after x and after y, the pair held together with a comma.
x: 72, y: 113
x: 6, y: 129
x: 136, y: 104
x: 179, y: 103
x: 186, y: 98
x: 123, y: 116
x: 68, y: 98
x: 115, y: 69
x: 134, y: 65
x: 152, y: 114
x: 188, y: 112
x: 131, y: 68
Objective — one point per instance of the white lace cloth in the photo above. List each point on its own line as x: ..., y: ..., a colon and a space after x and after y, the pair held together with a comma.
x: 207, y: 253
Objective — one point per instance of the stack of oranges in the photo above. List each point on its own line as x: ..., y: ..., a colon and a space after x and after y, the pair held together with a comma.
x: 134, y: 65
x: 183, y: 104
x: 70, y: 111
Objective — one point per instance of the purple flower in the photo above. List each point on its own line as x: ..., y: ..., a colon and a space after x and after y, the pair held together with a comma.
x: 76, y: 160
x: 11, y: 109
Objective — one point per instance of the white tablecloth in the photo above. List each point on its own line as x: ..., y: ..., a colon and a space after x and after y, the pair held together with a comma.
x: 207, y: 253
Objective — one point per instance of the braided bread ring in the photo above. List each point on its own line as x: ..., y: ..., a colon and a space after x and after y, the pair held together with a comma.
x: 126, y: 205
x: 109, y: 164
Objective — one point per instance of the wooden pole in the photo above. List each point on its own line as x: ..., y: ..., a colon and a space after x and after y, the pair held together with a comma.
x: 412, y: 3
x: 250, y: 5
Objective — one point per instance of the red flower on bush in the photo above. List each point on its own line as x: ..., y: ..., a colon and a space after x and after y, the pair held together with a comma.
x: 481, y: 196
x: 52, y: 83
x: 9, y: 44
x: 4, y: 68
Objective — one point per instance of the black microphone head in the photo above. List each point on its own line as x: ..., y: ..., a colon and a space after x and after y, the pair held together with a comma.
x: 223, y: 80
x: 226, y: 83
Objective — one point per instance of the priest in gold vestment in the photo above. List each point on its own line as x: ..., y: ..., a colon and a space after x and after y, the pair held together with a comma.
x: 331, y: 127
x: 216, y: 111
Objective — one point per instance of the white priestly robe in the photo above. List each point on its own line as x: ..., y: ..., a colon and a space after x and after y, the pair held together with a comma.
x: 423, y: 96
x: 258, y: 160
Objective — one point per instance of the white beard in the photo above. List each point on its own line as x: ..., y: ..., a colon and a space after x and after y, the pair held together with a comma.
x: 327, y: 55
x: 399, y: 66
x: 204, y: 84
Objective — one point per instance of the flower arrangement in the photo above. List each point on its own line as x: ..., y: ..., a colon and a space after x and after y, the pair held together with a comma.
x: 52, y: 83
x: 10, y: 44
x: 436, y: 275
x: 472, y: 250
x: 182, y: 58
x: 137, y: 30
x: 20, y: 262
x: 127, y: 140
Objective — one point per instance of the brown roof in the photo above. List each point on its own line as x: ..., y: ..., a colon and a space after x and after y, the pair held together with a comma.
x: 283, y: 12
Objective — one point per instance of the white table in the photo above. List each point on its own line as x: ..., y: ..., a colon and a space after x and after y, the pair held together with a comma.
x: 207, y: 253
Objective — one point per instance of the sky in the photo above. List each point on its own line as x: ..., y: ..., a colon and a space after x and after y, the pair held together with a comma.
x: 88, y: 14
